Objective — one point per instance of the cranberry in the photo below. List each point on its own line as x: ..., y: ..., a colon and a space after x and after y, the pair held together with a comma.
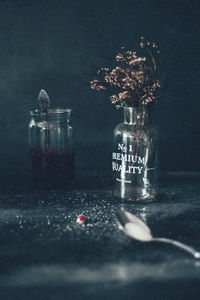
x: 80, y: 219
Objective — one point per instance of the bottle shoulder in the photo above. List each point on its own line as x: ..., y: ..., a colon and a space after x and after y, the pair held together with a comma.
x: 130, y: 129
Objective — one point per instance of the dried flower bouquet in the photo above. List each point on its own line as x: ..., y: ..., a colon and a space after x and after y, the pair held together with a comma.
x: 135, y: 80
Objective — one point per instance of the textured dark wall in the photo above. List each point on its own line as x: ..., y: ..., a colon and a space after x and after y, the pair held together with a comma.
x: 53, y: 44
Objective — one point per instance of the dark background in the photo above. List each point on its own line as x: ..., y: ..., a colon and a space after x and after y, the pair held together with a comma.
x: 54, y: 44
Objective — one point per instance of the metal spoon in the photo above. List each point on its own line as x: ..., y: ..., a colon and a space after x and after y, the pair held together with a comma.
x: 137, y: 229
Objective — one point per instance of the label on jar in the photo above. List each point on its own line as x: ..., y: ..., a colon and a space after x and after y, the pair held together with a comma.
x: 126, y: 162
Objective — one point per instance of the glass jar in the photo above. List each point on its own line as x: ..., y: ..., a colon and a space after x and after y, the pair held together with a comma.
x: 51, y: 151
x: 134, y: 157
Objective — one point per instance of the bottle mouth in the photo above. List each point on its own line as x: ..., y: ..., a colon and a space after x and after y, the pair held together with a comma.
x: 51, y: 112
x: 135, y: 108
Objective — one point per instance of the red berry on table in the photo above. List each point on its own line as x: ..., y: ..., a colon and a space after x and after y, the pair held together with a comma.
x: 80, y: 219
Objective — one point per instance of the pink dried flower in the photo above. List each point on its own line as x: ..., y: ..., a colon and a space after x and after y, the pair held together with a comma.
x: 123, y: 95
x: 95, y: 85
x: 114, y: 99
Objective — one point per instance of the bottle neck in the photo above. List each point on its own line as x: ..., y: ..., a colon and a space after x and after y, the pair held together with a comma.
x: 136, y: 115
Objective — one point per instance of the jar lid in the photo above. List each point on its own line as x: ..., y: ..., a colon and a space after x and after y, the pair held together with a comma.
x: 52, y: 113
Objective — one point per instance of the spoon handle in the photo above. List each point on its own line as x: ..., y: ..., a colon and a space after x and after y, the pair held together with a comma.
x: 189, y: 249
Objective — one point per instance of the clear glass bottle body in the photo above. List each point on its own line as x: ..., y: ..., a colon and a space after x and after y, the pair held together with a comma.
x: 51, y: 151
x: 134, y: 157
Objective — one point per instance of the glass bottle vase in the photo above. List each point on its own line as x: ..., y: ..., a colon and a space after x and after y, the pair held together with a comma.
x: 134, y: 157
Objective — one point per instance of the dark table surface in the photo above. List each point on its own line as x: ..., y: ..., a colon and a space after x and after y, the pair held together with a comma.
x: 44, y: 254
